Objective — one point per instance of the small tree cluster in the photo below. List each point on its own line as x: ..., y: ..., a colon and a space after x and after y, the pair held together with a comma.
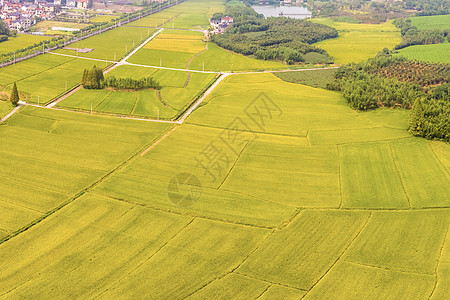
x: 131, y: 84
x: 93, y: 78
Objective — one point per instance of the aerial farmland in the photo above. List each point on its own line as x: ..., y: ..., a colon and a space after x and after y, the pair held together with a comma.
x: 170, y: 153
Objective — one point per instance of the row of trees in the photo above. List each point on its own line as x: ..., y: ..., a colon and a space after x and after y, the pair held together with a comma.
x: 364, y: 89
x: 279, y: 38
x: 94, y: 79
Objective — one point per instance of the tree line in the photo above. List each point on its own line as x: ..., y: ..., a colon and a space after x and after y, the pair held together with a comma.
x: 280, y: 38
x: 365, y: 87
x: 94, y: 79
x: 411, y: 35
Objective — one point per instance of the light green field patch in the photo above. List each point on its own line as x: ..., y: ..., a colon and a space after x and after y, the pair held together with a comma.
x: 132, y: 72
x: 408, y: 241
x: 353, y: 281
x: 149, y: 105
x: 437, y: 53
x: 431, y: 22
x: 118, y: 102
x: 85, y: 99
x: 442, y: 152
x: 426, y: 181
x: 230, y: 61
x: 49, y: 84
x: 30, y: 67
x: 266, y: 104
x: 103, y: 18
x: 112, y: 44
x: 358, y: 42
x: 303, y: 255
x: 20, y: 42
x: 232, y: 286
x: 171, y: 272
x: 5, y: 108
x: 161, y: 58
x: 370, y: 178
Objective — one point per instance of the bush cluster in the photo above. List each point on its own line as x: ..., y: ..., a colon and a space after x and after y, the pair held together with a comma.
x: 367, y: 86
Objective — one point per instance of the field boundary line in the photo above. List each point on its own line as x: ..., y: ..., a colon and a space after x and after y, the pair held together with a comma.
x: 385, y: 268
x: 9, y: 115
x: 202, y: 217
x: 397, y: 169
x: 340, y: 175
x: 257, y: 132
x: 234, y: 164
x: 73, y: 91
x: 438, y: 261
x: 147, y: 259
x: 159, y: 141
x: 263, y: 292
x: 437, y: 158
x: 76, y: 197
x: 203, y: 97
x: 270, y: 282
x: 34, y: 74
x: 141, y: 45
x: 342, y: 254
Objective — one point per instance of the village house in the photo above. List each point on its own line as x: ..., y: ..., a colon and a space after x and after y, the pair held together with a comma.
x: 19, y: 16
x: 220, y: 26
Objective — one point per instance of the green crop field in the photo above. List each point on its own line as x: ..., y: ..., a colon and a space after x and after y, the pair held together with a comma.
x: 103, y: 18
x: 112, y: 44
x: 437, y: 53
x: 314, y: 78
x: 431, y: 22
x: 179, y: 89
x: 19, y: 42
x: 5, y: 108
x: 171, y: 48
x: 269, y: 189
x: 44, y: 77
x: 357, y: 42
x: 230, y: 61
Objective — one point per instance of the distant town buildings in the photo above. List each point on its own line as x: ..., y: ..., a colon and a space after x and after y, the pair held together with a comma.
x: 221, y: 25
x: 21, y: 16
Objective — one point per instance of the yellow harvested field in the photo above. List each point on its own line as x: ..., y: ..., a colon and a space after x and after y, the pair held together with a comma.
x: 180, y: 37
x: 189, y: 46
x: 358, y: 42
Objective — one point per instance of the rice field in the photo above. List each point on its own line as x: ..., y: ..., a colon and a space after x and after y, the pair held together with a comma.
x: 19, y: 42
x: 357, y: 42
x: 172, y: 49
x: 431, y: 22
x: 111, y: 45
x: 298, y: 196
x: 437, y: 53
x: 179, y: 90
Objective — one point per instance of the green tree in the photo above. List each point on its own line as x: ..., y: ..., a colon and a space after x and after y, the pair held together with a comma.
x: 417, y: 118
x: 14, y: 98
